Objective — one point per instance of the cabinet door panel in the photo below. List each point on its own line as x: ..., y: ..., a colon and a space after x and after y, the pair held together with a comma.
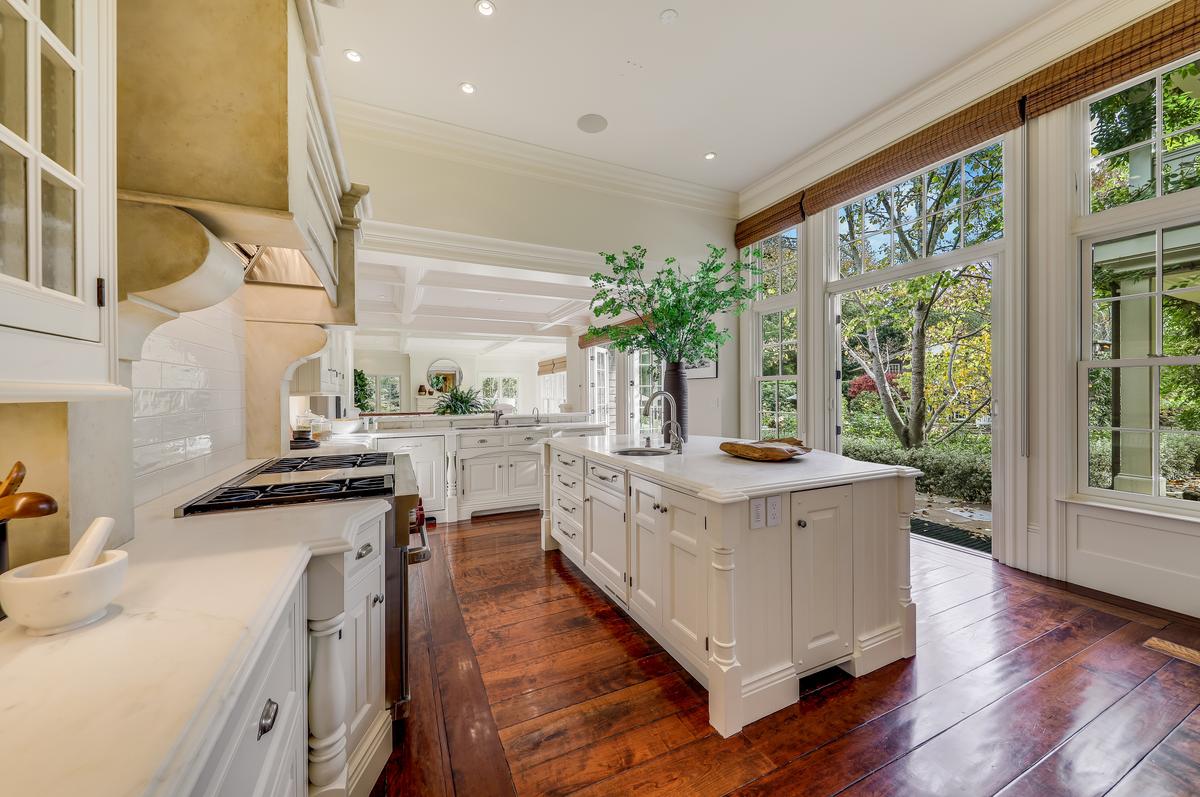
x: 484, y: 478
x: 524, y: 474
x: 822, y: 575
x: 645, y: 554
x: 605, y: 540
x: 362, y: 649
x: 685, y: 600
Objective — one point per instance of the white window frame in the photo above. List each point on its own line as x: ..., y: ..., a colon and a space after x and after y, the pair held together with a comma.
x: 1086, y: 363
x: 375, y: 397
x: 1009, y: 401
x: 750, y: 328
x: 557, y: 391
x: 500, y: 376
x: 1082, y: 144
x: 25, y: 303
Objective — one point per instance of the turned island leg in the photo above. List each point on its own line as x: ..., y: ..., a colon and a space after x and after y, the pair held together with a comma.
x: 724, y: 670
x: 327, y: 699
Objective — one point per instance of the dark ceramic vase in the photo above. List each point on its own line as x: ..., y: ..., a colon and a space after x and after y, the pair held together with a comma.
x: 675, y: 383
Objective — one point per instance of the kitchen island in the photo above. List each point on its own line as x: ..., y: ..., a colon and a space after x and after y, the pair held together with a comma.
x: 749, y: 574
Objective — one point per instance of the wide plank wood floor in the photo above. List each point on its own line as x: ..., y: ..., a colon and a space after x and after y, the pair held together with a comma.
x: 527, y: 680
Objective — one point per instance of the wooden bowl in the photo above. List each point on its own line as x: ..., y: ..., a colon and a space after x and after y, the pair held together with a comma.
x: 779, y: 449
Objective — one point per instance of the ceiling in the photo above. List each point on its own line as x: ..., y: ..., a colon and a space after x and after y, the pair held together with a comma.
x: 409, y: 304
x: 759, y: 82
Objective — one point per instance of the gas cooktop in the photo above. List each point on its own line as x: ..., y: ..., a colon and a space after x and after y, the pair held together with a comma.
x: 296, y: 480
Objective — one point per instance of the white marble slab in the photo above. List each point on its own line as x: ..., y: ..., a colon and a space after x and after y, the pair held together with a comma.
x: 704, y: 470
x: 132, y: 704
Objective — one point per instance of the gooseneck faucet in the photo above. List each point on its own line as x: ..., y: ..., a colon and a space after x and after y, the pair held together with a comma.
x: 537, y: 416
x: 671, y: 430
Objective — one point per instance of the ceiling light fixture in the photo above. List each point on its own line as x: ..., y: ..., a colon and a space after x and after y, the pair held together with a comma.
x: 467, y: 88
x: 354, y: 56
x: 485, y: 7
x: 592, y: 123
x: 668, y: 16
x: 709, y: 156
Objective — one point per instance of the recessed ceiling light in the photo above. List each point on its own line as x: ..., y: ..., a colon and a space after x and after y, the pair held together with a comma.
x: 467, y: 88
x: 668, y: 16
x: 353, y: 55
x: 485, y: 7
x: 592, y: 123
x: 709, y: 156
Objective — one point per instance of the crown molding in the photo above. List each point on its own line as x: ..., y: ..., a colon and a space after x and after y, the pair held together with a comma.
x: 403, y: 239
x: 432, y: 138
x: 1054, y: 35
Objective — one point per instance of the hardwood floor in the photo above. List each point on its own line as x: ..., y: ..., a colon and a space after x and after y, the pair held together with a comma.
x: 527, y: 680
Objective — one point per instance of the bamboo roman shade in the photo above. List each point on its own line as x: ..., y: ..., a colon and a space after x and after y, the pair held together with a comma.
x: 557, y: 365
x: 1151, y: 42
x: 587, y: 341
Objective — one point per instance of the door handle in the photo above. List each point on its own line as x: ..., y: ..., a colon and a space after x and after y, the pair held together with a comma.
x: 266, y: 720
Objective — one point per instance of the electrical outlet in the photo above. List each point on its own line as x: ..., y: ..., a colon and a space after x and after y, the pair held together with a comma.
x: 757, y: 511
x: 774, y: 510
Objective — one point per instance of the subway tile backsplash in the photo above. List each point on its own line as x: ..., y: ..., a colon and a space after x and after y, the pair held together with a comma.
x: 188, y: 400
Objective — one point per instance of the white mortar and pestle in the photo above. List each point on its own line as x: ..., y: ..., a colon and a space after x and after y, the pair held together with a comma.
x: 66, y: 592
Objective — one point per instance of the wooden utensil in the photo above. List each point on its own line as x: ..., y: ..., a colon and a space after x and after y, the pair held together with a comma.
x: 26, y: 505
x: 12, y: 482
x: 779, y: 449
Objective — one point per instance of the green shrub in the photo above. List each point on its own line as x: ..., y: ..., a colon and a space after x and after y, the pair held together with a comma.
x: 960, y: 473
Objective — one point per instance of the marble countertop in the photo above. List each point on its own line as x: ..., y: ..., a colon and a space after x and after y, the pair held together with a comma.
x: 706, y: 471
x: 133, y: 703
x: 361, y: 438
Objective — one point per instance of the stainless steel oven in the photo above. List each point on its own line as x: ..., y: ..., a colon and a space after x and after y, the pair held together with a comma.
x: 404, y: 552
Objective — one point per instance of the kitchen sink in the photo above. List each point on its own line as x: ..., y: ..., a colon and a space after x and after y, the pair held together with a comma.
x: 643, y: 452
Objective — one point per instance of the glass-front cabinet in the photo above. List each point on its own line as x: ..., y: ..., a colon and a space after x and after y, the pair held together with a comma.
x: 57, y: 228
x: 48, y: 166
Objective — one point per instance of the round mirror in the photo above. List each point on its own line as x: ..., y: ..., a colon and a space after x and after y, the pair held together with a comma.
x: 443, y: 375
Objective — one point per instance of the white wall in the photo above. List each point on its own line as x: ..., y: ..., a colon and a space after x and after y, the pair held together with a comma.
x: 189, y: 400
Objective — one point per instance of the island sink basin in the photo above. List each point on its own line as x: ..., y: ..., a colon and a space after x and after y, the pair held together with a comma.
x: 643, y: 452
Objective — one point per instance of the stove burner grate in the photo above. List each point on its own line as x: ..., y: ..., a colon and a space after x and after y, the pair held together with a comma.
x: 307, y: 488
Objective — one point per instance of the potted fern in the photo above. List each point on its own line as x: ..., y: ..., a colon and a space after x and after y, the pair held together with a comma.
x: 672, y: 313
x: 461, y: 401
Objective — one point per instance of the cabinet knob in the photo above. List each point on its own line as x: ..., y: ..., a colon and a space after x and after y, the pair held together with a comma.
x: 802, y: 524
x: 377, y: 599
x: 656, y: 506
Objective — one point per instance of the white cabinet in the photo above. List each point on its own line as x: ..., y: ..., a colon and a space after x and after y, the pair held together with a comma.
x: 330, y: 372
x: 822, y: 575
x: 363, y: 651
x: 428, y: 455
x: 645, y: 551
x: 685, y: 571
x: 667, y: 555
x: 57, y: 206
x: 484, y: 478
x: 606, y: 540
x: 524, y: 474
x: 500, y: 479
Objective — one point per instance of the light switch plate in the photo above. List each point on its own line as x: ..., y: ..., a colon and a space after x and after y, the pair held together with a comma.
x: 774, y: 510
x: 757, y: 511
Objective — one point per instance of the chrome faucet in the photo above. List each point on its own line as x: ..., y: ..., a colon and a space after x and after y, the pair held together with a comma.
x: 537, y: 416
x: 672, y: 432
x: 496, y: 416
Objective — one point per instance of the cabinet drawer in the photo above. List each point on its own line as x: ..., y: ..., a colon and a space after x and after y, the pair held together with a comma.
x: 407, y: 444
x: 367, y: 546
x: 525, y: 438
x: 568, y: 483
x: 257, y: 735
x: 606, y: 477
x: 566, y: 506
x: 567, y: 532
x: 571, y: 463
x: 481, y: 440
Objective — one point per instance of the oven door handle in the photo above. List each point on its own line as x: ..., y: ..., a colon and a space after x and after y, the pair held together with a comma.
x: 422, y: 554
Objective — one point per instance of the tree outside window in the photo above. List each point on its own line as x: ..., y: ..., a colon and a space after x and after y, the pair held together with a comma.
x: 502, y: 389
